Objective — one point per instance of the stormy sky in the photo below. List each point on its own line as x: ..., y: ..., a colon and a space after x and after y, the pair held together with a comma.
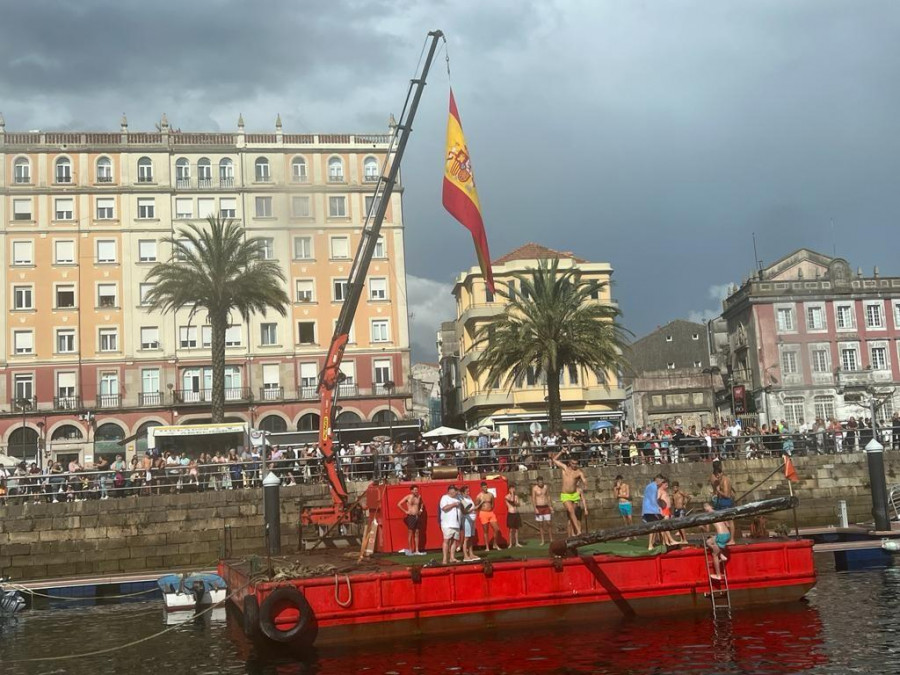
x: 655, y: 135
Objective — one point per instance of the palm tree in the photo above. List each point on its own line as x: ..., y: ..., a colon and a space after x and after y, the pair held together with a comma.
x: 552, y: 324
x: 217, y: 269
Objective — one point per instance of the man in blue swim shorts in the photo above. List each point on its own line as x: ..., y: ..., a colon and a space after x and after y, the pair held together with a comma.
x: 718, y: 543
x: 622, y: 493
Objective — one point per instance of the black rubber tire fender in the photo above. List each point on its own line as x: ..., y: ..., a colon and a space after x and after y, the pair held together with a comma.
x: 250, y: 617
x: 290, y: 596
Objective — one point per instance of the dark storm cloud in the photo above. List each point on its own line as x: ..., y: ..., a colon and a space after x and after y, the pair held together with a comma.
x: 654, y: 135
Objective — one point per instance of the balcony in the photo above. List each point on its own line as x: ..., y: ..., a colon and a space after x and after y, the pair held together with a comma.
x: 370, y: 178
x: 104, y: 179
x: 23, y: 180
x: 308, y: 393
x: 183, y: 183
x: 66, y: 402
x: 226, y: 181
x: 336, y: 179
x: 109, y: 401
x: 488, y: 310
x: 348, y: 390
x: 149, y: 398
x: 190, y: 396
x: 271, y: 394
x: 205, y: 183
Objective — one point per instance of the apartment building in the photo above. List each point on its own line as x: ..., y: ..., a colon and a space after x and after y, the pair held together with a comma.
x: 86, y: 367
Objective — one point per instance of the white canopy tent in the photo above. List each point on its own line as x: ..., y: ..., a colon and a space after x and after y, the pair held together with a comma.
x: 444, y: 431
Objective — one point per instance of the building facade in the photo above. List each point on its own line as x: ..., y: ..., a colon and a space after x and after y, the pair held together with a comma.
x: 85, y: 217
x: 586, y: 396
x: 807, y: 338
x: 671, y: 379
x: 451, y: 388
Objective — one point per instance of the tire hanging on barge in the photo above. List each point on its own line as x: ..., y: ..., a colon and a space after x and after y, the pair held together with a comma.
x: 287, y: 599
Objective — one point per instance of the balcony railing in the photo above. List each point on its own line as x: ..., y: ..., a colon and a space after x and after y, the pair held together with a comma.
x: 271, y: 394
x: 309, y: 393
x: 205, y: 183
x: 370, y: 179
x: 109, y: 400
x: 150, y: 398
x: 336, y: 179
x: 348, y: 390
x: 104, y: 179
x: 226, y: 182
x: 183, y: 183
x: 66, y: 402
x: 23, y: 180
x: 189, y: 396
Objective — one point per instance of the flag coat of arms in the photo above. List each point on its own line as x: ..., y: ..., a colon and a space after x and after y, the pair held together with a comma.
x: 460, y: 197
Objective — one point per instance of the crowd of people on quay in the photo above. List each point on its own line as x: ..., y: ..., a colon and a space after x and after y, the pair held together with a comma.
x: 173, y: 471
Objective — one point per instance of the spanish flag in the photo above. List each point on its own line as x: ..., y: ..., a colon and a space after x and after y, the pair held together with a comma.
x: 460, y: 196
x: 789, y: 471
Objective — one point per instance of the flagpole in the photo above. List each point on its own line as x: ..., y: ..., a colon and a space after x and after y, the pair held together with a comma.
x: 794, y: 510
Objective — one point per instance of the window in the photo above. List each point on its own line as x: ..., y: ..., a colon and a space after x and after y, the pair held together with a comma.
x: 377, y: 289
x: 263, y: 207
x: 303, y: 248
x: 23, y: 253
x: 337, y: 207
x: 184, y: 208
x: 65, y: 392
x: 205, y: 336
x: 184, y: 248
x: 370, y: 170
x: 789, y: 364
x: 339, y: 290
x: 306, y: 332
x: 266, y: 248
x: 106, y: 250
x: 271, y: 379
x: 309, y: 379
x: 268, y: 334
x: 106, y: 295
x: 380, y: 330
x: 65, y: 296
x: 226, y: 173
x: 109, y: 389
x: 145, y: 170
x: 380, y: 250
x: 382, y: 370
x: 22, y: 209
x: 488, y: 294
x: 340, y: 247
x: 878, y: 358
x: 63, y: 170
x: 22, y: 170
x: 204, y: 172
x: 824, y: 407
x: 849, y: 358
x: 23, y: 340
x: 372, y: 203
x: 146, y: 208
x: 844, y: 317
x: 298, y: 170
x: 815, y: 318
x: 206, y: 207
x: 104, y: 170
x: 228, y: 207
x: 233, y: 337
x: 820, y: 361
x: 150, y: 380
x: 262, y: 170
x: 305, y: 288
x: 147, y: 250
x: 23, y: 297
x: 785, y: 319
x: 143, y: 290
x: 793, y: 412
x: 65, y: 340
x: 335, y: 170
x: 875, y: 315
x: 105, y: 208
x: 63, y: 252
x: 187, y: 337
x: 149, y: 337
x: 24, y: 386
x: 182, y: 173
x: 64, y: 208
x: 300, y: 206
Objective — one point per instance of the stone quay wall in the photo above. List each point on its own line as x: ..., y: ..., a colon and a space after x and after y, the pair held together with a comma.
x: 172, y: 532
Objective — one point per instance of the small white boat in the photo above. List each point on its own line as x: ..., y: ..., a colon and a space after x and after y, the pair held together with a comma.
x: 186, y: 592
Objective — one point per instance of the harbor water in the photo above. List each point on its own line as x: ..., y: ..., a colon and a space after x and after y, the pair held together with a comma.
x: 849, y: 623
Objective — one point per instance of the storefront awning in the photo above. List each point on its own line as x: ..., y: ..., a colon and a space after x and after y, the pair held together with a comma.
x: 194, y: 430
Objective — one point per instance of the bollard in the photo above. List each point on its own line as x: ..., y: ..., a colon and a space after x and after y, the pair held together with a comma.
x: 843, y: 518
x: 875, y: 460
x: 272, y: 513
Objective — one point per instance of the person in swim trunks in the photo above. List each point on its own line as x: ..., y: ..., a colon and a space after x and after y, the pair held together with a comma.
x: 411, y: 505
x: 484, y: 504
x: 513, y: 517
x: 622, y: 494
x: 723, y: 492
x: 718, y: 543
x: 570, y: 497
x: 543, y: 511
x: 680, y: 501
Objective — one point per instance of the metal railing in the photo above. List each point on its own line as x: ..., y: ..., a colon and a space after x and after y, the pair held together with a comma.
x: 271, y: 393
x: 150, y: 398
x: 187, y: 396
x: 109, y: 400
x: 66, y: 402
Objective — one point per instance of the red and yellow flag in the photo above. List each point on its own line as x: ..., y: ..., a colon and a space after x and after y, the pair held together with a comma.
x: 789, y: 471
x: 460, y: 196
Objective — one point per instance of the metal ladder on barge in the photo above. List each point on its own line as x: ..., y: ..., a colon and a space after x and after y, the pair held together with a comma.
x: 719, y: 593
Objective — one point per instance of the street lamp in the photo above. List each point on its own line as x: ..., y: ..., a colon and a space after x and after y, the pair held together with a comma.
x: 24, y: 405
x: 389, y: 387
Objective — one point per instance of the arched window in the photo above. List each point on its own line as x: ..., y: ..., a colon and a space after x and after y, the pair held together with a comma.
x: 204, y: 172
x: 22, y: 170
x: 226, y: 172
x: 109, y: 432
x: 298, y: 170
x: 145, y: 170
x: 262, y: 170
x: 335, y: 170
x: 309, y: 422
x: 183, y: 172
x: 141, y: 435
x: 23, y: 443
x: 273, y: 424
x: 370, y: 170
x: 67, y: 433
x: 104, y: 170
x: 347, y: 416
x: 384, y: 416
x: 63, y: 170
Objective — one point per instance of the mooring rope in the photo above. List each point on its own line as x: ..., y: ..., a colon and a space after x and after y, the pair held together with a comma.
x: 337, y: 594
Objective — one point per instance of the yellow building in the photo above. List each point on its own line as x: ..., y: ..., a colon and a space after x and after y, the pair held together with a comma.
x: 586, y: 396
x: 84, y: 216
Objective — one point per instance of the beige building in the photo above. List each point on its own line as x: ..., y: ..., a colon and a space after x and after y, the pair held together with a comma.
x: 84, y: 217
x: 586, y: 396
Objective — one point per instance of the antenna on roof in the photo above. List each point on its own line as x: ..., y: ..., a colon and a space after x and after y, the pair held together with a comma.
x: 756, y: 261
x: 833, y: 241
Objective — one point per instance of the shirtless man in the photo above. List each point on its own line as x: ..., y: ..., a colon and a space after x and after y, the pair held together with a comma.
x: 484, y: 504
x: 513, y: 517
x: 411, y: 505
x: 665, y: 507
x: 622, y: 495
x: 570, y: 496
x: 718, y: 543
x: 680, y: 501
x: 543, y: 511
x: 723, y: 492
